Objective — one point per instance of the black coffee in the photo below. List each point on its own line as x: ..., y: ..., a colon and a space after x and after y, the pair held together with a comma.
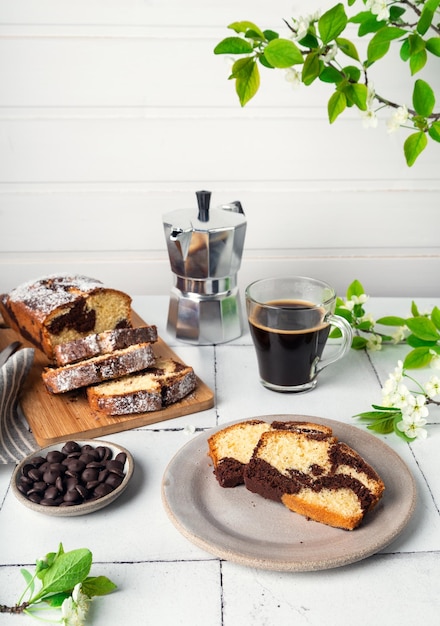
x: 287, y: 355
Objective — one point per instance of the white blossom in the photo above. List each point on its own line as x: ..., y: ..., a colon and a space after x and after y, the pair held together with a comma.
x: 412, y: 426
x: 416, y: 407
x: 302, y: 24
x: 374, y: 343
x: 399, y: 334
x: 361, y: 299
x: 399, y: 117
x: 435, y: 360
x: 369, y: 118
x: 74, y: 608
x: 329, y: 54
x: 293, y: 77
x: 432, y: 387
x: 379, y: 8
x: 368, y: 317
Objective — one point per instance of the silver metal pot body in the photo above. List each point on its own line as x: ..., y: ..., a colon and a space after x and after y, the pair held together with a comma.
x: 205, y: 257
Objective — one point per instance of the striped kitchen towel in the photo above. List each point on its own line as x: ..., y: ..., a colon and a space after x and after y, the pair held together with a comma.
x: 16, y: 440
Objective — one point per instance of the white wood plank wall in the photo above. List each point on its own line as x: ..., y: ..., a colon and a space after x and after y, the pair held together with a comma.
x: 113, y: 112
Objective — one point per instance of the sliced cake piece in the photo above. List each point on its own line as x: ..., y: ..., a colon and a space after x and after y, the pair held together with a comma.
x: 104, y: 367
x: 166, y: 383
x: 232, y: 447
x: 322, y: 479
x: 103, y: 343
x: 58, y: 308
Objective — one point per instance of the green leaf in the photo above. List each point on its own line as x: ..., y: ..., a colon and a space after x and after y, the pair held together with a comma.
x: 57, y: 599
x: 262, y: 59
x: 244, y: 26
x: 332, y: 23
x: 396, y: 12
x: 380, y: 42
x: 270, y: 34
x: 355, y: 289
x: 417, y: 61
x: 247, y: 76
x: 416, y: 43
x: 336, y: 105
x: 413, y: 146
x: 330, y: 74
x: 345, y: 313
x: 348, y: 48
x: 233, y: 45
x: 434, y: 131
x: 427, y: 16
x: 29, y: 579
x: 423, y: 328
x: 415, y: 342
x: 423, y: 98
x: 357, y: 94
x: 433, y: 45
x: 365, y: 326
x: 417, y: 358
x: 435, y: 317
x: 358, y: 343
x: 372, y: 415
x: 352, y: 72
x: 384, y: 427
x: 97, y: 586
x: 391, y: 320
x: 68, y: 569
x: 283, y: 53
x: 414, y: 309
x: 311, y: 68
x: 405, y: 51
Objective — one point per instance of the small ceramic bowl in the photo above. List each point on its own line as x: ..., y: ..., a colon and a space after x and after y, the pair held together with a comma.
x: 88, y: 506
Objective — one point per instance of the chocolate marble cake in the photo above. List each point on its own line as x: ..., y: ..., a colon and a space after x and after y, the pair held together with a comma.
x: 59, y: 308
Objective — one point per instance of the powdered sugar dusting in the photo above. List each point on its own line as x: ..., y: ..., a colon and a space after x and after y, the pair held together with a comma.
x: 47, y: 293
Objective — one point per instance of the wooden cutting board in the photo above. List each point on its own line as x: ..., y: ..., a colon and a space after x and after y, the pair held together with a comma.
x: 54, y: 418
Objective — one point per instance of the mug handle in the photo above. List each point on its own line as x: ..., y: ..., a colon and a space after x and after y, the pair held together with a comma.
x: 347, y: 337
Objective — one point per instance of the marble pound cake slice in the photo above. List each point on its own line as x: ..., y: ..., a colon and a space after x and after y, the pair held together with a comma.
x: 97, y: 369
x: 232, y: 447
x: 59, y: 308
x: 103, y: 343
x: 167, y: 382
x: 322, y: 479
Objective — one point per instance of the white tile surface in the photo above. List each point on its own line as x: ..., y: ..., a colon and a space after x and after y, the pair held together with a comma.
x: 164, y: 579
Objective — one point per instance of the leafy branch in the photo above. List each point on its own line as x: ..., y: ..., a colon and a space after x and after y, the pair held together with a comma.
x: 420, y: 331
x: 316, y: 46
x: 64, y: 584
x: 402, y: 411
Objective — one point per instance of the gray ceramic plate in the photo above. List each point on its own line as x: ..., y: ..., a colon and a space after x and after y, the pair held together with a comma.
x: 237, y: 525
x: 79, y: 509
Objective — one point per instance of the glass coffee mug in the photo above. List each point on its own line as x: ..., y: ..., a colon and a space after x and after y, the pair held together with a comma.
x: 290, y: 321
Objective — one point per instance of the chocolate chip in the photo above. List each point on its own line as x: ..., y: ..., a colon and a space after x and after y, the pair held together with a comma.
x: 72, y: 476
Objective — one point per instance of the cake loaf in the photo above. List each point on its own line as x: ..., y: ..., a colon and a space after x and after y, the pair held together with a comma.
x: 60, y: 308
x: 320, y: 478
x: 103, y: 343
x: 97, y: 369
x: 167, y: 382
x: 232, y: 447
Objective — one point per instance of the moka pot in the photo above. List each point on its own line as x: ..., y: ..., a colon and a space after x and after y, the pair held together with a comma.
x: 205, y: 247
